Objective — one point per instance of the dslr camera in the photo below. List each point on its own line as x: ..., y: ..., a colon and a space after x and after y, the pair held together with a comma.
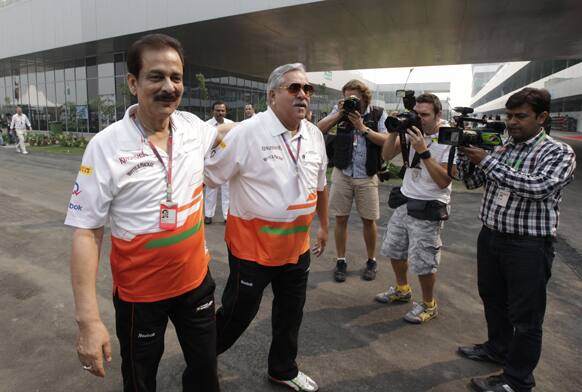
x: 351, y: 104
x: 487, y: 137
x: 402, y: 121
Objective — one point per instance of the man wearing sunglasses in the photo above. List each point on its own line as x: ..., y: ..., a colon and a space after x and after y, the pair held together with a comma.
x: 357, y: 158
x: 275, y: 163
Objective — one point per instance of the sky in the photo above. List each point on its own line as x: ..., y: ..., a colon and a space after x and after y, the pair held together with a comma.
x: 460, y: 77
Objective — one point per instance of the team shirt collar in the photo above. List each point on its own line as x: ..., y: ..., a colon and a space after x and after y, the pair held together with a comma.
x: 133, y: 140
x: 277, y: 128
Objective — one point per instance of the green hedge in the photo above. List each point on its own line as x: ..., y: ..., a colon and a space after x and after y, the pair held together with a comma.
x: 60, y: 138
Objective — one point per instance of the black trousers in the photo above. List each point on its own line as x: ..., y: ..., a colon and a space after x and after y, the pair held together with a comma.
x: 241, y: 300
x: 513, y: 272
x: 141, y: 327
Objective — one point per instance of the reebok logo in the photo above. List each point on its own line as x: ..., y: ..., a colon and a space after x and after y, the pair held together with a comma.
x: 244, y: 283
x: 146, y: 335
x: 205, y: 306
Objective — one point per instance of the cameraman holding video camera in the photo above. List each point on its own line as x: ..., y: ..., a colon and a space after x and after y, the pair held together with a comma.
x: 357, y: 158
x: 413, y: 233
x: 524, y: 180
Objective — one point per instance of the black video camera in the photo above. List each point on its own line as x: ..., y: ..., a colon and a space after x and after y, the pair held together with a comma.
x: 487, y: 137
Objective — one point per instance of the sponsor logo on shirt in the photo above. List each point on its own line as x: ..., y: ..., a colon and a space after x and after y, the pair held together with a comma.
x: 146, y: 335
x: 140, y: 166
x: 271, y: 148
x: 75, y: 207
x: 76, y: 189
x: 245, y: 283
x: 273, y: 156
x: 139, y: 155
x: 86, y: 170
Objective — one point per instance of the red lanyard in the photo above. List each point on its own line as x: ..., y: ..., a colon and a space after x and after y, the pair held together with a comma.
x: 293, y: 157
x: 168, y: 170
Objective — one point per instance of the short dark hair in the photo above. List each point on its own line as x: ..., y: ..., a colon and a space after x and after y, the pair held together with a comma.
x: 432, y: 99
x: 148, y: 42
x: 538, y: 98
x: 219, y: 102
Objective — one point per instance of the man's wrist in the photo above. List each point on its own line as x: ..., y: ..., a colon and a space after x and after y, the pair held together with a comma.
x: 425, y: 154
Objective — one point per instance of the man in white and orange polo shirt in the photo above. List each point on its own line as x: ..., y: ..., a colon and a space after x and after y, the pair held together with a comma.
x: 143, y: 175
x: 276, y: 163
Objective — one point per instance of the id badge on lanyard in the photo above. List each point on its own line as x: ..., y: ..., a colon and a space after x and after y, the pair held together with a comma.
x: 168, y: 216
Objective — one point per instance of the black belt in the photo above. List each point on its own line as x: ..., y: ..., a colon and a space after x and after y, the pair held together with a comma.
x: 513, y: 236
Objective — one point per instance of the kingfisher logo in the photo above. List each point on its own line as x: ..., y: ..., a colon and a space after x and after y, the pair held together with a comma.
x: 76, y: 189
x: 76, y: 207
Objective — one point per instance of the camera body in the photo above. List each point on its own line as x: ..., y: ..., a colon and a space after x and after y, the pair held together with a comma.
x: 402, y: 121
x: 484, y: 138
x: 487, y: 137
x: 351, y: 104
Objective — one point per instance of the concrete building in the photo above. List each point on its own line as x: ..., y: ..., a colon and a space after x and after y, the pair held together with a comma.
x: 562, y: 78
x: 64, y: 60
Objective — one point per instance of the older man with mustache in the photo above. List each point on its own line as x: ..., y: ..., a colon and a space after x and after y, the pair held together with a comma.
x: 143, y: 175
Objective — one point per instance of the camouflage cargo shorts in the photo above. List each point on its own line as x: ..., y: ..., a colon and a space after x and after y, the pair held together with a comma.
x: 417, y: 240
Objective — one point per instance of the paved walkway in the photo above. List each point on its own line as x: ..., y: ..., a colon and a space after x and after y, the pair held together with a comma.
x: 347, y: 343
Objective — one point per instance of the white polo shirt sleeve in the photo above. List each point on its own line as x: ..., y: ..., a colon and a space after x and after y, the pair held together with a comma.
x: 207, y: 131
x: 93, y: 190
x: 226, y: 159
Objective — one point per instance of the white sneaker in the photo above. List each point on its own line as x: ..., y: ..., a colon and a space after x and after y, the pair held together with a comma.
x: 25, y: 152
x: 301, y: 383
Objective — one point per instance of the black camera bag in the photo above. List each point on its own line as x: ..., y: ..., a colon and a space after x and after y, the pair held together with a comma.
x: 431, y: 210
x: 396, y: 198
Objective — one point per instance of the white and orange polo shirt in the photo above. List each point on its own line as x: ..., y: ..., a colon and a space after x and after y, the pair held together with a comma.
x: 121, y: 179
x: 272, y: 198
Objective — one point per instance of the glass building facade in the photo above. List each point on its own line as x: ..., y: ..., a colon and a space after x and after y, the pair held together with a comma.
x: 87, y: 94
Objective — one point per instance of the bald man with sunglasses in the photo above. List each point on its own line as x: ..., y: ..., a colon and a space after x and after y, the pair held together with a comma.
x: 275, y: 163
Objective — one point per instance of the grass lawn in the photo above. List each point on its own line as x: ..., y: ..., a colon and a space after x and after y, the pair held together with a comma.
x: 56, y: 149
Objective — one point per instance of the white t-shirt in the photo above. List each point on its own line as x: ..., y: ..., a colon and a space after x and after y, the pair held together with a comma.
x: 19, y: 121
x: 215, y: 123
x: 417, y: 182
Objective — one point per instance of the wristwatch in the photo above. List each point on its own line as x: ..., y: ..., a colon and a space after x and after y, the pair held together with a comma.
x: 425, y: 155
x: 365, y: 132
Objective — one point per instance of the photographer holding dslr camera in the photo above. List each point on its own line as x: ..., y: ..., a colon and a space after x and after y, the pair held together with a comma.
x: 524, y: 179
x: 357, y: 158
x: 421, y: 205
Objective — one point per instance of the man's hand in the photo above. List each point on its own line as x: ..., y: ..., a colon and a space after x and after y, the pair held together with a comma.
x: 475, y: 154
x: 93, y: 344
x: 357, y: 121
x: 417, y: 140
x: 319, y: 247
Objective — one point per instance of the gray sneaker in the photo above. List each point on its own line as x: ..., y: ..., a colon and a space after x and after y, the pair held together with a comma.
x: 393, y: 295
x: 301, y: 383
x: 421, y: 313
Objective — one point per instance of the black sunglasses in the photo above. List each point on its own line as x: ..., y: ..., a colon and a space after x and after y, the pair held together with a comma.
x: 294, y: 89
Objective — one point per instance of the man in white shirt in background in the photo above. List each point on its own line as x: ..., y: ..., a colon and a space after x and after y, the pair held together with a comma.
x: 211, y: 194
x: 20, y: 124
x: 249, y: 111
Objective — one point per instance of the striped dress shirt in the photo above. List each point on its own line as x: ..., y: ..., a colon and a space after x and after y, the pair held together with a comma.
x: 523, y: 184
